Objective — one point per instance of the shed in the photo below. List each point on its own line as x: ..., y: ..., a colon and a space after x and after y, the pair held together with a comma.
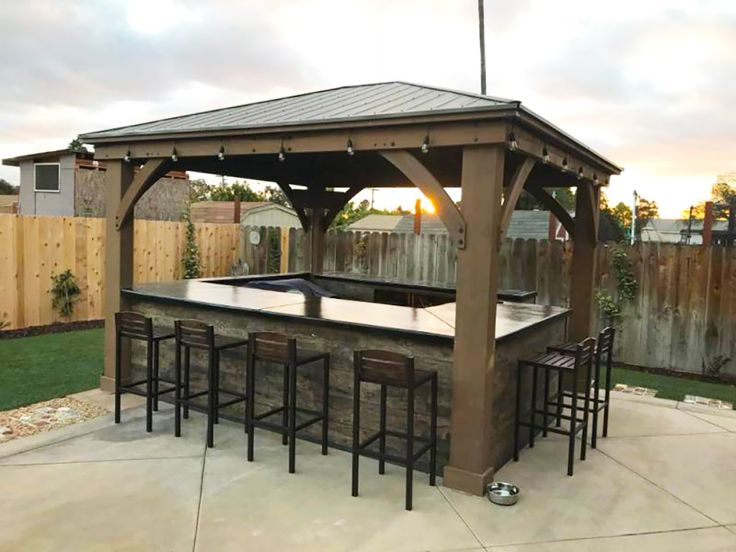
x: 252, y: 213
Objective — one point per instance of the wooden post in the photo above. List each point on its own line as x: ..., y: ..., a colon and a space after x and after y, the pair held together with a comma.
x: 471, y: 466
x: 236, y: 210
x: 284, y: 259
x: 582, y: 278
x: 118, y: 263
x: 708, y: 224
x: 316, y: 240
x: 552, y: 227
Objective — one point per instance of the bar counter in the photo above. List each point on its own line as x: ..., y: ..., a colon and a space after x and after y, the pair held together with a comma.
x: 341, y: 325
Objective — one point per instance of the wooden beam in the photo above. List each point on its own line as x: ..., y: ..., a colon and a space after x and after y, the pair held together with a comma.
x: 447, y: 210
x: 300, y: 212
x: 471, y: 462
x: 349, y: 194
x: 512, y: 195
x: 118, y: 264
x: 555, y: 207
x: 144, y: 179
x: 582, y: 276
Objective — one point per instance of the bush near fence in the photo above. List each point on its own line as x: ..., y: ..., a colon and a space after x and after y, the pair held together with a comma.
x: 683, y: 317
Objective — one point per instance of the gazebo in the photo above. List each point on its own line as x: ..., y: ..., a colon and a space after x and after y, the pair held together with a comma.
x: 322, y: 148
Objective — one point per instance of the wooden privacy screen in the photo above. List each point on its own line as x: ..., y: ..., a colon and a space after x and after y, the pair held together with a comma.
x: 34, y: 248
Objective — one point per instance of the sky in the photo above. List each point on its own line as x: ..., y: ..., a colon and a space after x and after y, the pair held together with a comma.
x: 650, y: 84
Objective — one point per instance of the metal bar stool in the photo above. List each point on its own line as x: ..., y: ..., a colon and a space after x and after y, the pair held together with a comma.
x: 193, y: 334
x: 603, y: 354
x: 386, y: 368
x: 280, y: 349
x: 135, y: 326
x: 573, y: 365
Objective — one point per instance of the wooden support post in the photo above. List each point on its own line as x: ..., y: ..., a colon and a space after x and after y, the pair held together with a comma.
x: 708, y: 224
x: 582, y: 278
x: 118, y: 263
x: 471, y: 465
x: 236, y: 211
x: 552, y: 227
x: 316, y: 240
x: 284, y: 259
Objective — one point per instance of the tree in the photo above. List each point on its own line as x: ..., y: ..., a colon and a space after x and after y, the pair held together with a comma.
x: 228, y: 192
x: 351, y: 213
x: 77, y: 146
x: 723, y: 196
x: 274, y: 194
x: 190, y: 260
x: 199, y: 190
x: 6, y: 188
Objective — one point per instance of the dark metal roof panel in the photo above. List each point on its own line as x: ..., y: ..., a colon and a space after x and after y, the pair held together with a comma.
x: 356, y: 102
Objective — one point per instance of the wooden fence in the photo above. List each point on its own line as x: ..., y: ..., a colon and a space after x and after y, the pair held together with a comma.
x: 34, y: 248
x: 683, y: 317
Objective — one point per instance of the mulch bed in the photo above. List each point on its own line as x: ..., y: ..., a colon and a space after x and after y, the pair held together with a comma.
x: 52, y: 328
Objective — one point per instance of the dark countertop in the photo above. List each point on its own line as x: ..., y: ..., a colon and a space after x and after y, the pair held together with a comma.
x: 435, y: 322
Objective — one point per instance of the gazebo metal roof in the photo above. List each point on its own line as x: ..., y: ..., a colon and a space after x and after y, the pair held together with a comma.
x: 346, y: 103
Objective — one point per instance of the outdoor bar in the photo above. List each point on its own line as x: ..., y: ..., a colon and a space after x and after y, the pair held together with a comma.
x: 322, y: 149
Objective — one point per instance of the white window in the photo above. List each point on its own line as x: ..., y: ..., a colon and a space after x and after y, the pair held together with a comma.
x: 46, y: 177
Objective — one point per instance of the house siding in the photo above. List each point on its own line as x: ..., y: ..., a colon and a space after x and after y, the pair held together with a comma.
x: 59, y: 203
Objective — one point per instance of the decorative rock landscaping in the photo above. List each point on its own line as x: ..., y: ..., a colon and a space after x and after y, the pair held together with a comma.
x: 634, y: 390
x: 705, y: 401
x: 43, y: 416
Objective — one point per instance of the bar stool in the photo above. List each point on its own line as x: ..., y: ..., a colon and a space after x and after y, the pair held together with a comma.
x: 386, y: 368
x: 280, y: 349
x: 564, y: 364
x: 193, y: 334
x: 135, y: 326
x: 603, y: 354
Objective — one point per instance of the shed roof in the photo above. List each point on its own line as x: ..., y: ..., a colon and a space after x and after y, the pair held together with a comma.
x: 43, y: 155
x: 376, y: 223
x: 357, y: 102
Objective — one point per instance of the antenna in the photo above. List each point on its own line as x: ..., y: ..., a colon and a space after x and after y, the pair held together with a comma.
x: 482, y: 30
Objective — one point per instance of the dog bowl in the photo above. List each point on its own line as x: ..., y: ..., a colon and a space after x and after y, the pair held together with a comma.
x: 502, y: 493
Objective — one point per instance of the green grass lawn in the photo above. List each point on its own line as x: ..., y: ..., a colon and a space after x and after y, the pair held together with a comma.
x: 44, y: 367
x: 669, y: 387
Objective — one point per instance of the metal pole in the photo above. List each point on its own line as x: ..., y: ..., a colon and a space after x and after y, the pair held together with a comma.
x: 633, y: 219
x: 482, y: 29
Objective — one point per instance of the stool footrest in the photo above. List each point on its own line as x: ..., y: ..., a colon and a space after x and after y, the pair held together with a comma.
x: 578, y: 428
x: 260, y: 421
x: 141, y: 392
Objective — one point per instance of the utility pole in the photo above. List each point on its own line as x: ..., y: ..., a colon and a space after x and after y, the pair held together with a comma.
x: 373, y: 194
x: 633, y: 218
x: 482, y: 29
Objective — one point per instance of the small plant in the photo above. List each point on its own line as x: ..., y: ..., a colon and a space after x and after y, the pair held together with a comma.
x: 191, y: 267
x: 607, y: 305
x: 714, y: 366
x: 64, y: 292
x: 626, y: 287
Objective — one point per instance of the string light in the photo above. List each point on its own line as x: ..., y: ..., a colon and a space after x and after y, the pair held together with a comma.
x: 174, y: 156
x: 425, y: 144
x: 580, y: 173
x: 595, y: 178
x: 127, y: 156
x: 221, y: 153
x: 564, y: 164
x: 513, y: 144
x: 545, y: 155
x: 351, y: 151
x: 282, y: 153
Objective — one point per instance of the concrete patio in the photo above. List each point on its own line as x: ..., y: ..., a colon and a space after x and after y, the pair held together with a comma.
x: 663, y: 480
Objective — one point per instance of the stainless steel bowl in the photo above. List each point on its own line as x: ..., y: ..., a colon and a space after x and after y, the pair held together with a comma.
x: 502, y: 493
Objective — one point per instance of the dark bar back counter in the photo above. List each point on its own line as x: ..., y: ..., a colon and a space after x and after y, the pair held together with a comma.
x: 364, y: 313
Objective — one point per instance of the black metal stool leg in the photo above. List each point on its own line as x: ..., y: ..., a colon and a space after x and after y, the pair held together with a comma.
x: 382, y: 430
x: 607, y: 395
x: 586, y: 413
x: 596, y: 402
x: 216, y: 389
x: 409, y: 447
x: 186, y: 381
x: 177, y: 390
x: 533, y: 408
x: 250, y: 403
x: 325, y: 402
x: 356, y: 432
x: 149, y: 385
x: 573, y: 423
x: 517, y: 418
x: 546, y: 403
x: 285, y: 404
x: 156, y: 347
x: 211, y: 400
x: 433, y: 433
x: 292, y: 418
x: 118, y: 372
x: 560, y: 399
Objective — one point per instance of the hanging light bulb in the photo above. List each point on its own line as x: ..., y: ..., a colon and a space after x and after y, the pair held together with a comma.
x: 564, y: 164
x: 127, y: 156
x: 580, y: 173
x: 513, y: 144
x: 425, y: 144
x: 221, y: 153
x: 174, y: 156
x: 351, y: 151
x: 282, y: 153
x: 545, y: 155
x: 595, y: 178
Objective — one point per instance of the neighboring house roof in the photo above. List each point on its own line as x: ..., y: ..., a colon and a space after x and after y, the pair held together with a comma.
x: 43, y: 155
x: 224, y: 211
x: 375, y: 223
x: 524, y: 224
x: 671, y: 230
x: 365, y: 101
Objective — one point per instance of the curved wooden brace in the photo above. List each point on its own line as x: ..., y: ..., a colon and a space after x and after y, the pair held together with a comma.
x: 514, y: 191
x: 350, y: 193
x: 143, y: 179
x: 557, y: 210
x: 417, y: 173
x: 300, y: 212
